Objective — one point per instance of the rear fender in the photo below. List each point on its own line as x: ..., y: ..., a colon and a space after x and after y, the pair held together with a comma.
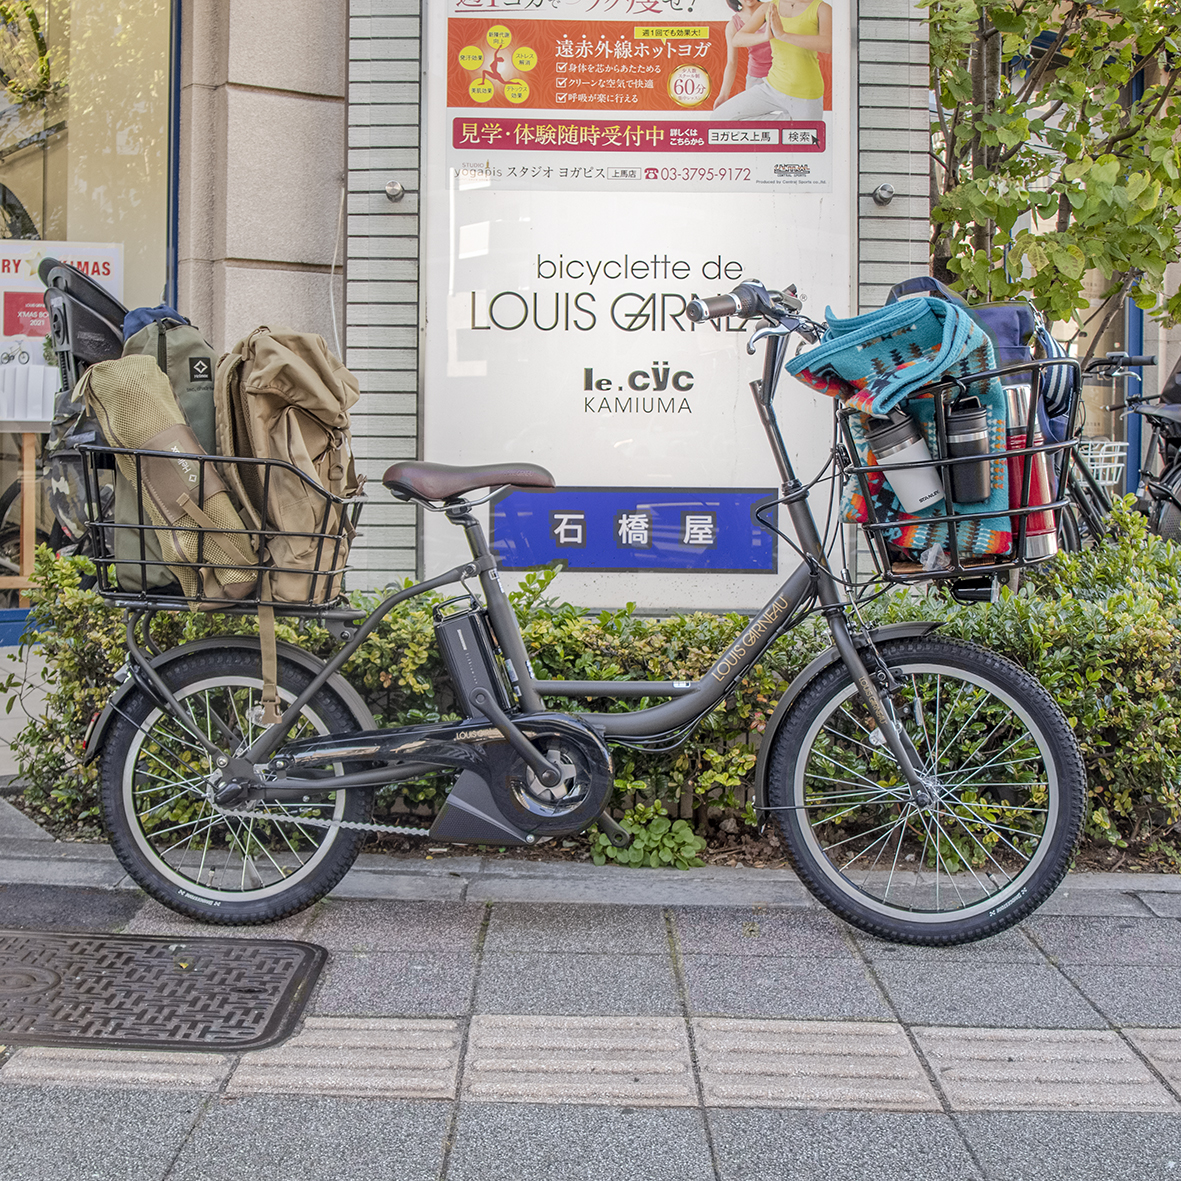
x: 305, y: 660
x: 826, y: 659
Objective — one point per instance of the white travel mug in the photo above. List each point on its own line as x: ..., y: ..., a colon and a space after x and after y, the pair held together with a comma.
x: 902, y: 442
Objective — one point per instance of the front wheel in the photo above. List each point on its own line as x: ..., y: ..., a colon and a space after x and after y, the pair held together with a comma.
x: 186, y: 852
x: 1003, y: 771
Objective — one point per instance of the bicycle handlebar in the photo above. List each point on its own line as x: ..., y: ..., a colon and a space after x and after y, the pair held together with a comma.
x: 746, y: 300
x: 1120, y: 361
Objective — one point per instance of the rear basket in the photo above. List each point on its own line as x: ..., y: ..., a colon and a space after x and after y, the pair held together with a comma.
x: 1029, y: 543
x: 335, y: 526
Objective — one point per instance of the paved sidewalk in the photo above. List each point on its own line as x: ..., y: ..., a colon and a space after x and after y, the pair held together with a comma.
x: 481, y: 1018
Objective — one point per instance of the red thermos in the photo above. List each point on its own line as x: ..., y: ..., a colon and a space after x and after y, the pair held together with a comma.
x: 1041, y: 529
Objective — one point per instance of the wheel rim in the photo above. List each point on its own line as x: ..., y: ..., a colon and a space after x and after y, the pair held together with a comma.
x: 209, y: 856
x: 975, y: 849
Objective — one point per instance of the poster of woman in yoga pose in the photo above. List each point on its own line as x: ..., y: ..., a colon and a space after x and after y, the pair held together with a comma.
x: 797, y: 32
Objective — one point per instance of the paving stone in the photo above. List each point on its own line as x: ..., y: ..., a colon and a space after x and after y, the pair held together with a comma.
x: 1166, y: 906
x: 1162, y: 1047
x: 1150, y: 942
x: 374, y: 1056
x: 1100, y: 903
x: 395, y: 926
x: 61, y: 1133
x: 64, y: 1066
x: 15, y: 825
x: 1131, y: 995
x: 758, y: 931
x: 293, y: 1138
x: 847, y: 1064
x: 395, y: 984
x: 63, y: 908
x: 964, y: 993
x: 1091, y: 1146
x: 1009, y: 947
x: 504, y: 881
x: 362, y: 883
x: 105, y: 874
x: 767, y: 986
x: 771, y: 1145
x: 609, y: 930
x: 640, y: 1061
x: 154, y: 919
x: 597, y: 985
x: 522, y: 1142
x: 1043, y: 1069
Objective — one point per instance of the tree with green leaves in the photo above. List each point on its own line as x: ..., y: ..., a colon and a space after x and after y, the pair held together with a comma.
x: 1049, y: 161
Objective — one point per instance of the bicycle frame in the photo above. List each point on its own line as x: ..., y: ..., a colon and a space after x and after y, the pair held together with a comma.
x: 423, y: 748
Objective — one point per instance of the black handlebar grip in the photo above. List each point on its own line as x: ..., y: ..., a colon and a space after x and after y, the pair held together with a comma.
x: 744, y: 300
x: 1139, y: 361
x: 713, y: 307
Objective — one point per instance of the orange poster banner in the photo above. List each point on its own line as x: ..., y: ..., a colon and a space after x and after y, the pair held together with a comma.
x: 584, y: 65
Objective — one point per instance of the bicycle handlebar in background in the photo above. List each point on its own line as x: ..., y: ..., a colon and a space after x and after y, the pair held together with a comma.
x: 1119, y: 361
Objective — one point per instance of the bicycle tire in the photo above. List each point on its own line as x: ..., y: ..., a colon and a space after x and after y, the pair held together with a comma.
x: 1165, y: 518
x: 1070, y: 539
x: 1000, y: 709
x: 167, y: 834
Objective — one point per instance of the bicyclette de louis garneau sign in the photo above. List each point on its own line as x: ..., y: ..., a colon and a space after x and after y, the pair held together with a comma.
x: 555, y: 300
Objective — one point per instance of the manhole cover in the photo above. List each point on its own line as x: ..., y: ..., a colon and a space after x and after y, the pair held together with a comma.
x: 145, y: 992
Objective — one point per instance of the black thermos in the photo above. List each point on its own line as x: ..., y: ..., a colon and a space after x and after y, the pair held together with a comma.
x: 967, y: 434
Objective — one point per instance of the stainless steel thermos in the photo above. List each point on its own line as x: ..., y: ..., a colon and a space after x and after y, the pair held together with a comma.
x: 900, y: 441
x: 1041, y: 530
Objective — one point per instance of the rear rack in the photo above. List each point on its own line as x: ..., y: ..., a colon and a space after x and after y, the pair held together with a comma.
x: 130, y: 551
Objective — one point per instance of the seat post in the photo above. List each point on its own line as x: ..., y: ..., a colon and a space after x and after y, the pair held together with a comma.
x: 500, y: 611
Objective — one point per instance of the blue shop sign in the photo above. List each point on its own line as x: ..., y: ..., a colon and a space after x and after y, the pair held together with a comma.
x: 713, y: 530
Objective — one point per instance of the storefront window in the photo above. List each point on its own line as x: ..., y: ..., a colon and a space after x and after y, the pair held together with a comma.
x: 84, y: 163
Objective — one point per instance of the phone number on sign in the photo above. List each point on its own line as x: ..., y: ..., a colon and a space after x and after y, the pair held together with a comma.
x: 697, y: 174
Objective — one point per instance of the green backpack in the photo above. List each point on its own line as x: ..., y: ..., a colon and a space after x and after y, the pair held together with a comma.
x: 189, y: 363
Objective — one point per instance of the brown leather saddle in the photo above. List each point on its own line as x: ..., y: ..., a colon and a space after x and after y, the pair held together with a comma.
x: 411, y: 478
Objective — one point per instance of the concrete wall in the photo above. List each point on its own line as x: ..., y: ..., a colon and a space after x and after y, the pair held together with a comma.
x: 263, y: 115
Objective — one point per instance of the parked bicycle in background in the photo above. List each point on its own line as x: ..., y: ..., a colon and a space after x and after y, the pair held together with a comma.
x: 1094, y: 475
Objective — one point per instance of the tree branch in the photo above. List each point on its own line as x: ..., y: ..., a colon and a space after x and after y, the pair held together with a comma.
x: 1035, y: 76
x: 1116, y: 302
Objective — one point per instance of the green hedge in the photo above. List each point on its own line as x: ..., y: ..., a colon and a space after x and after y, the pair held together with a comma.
x: 1101, y: 630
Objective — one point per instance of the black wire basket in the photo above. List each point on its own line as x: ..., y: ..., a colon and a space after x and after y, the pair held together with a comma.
x: 146, y: 562
x: 1037, y: 475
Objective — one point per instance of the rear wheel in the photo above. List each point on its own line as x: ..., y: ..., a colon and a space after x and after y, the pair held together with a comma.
x: 999, y: 762
x: 164, y: 826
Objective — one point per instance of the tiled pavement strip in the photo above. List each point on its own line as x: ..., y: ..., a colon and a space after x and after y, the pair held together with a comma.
x: 452, y: 1038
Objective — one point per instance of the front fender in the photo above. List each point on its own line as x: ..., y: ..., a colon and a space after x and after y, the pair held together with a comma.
x: 827, y: 658
x: 312, y: 664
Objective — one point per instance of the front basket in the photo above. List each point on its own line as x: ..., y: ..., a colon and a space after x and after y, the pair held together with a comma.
x: 1031, y: 511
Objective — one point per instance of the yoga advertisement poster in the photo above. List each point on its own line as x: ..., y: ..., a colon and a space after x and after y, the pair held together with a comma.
x: 555, y: 329
x: 611, y: 95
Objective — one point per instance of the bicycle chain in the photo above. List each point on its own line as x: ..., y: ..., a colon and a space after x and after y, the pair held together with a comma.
x: 314, y: 822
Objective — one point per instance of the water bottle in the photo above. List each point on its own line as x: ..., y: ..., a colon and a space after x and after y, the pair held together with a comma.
x: 1041, y: 529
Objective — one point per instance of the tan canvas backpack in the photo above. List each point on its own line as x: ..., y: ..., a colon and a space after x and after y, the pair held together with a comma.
x: 283, y: 396
x: 187, y: 509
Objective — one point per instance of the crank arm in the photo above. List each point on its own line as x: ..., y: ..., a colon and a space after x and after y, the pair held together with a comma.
x: 546, y: 772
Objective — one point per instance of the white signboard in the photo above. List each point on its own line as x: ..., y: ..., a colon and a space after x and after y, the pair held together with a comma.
x: 557, y: 334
